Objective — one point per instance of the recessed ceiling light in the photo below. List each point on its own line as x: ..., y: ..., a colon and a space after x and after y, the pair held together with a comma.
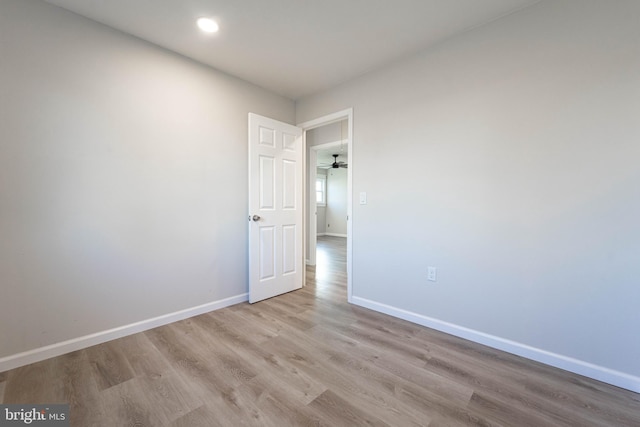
x: 208, y: 25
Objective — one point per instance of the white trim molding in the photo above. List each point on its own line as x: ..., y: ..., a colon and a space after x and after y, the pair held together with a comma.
x: 57, y: 349
x: 600, y: 373
x: 334, y: 235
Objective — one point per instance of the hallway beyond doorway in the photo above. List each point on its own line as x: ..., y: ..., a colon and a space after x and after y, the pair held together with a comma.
x: 329, y: 275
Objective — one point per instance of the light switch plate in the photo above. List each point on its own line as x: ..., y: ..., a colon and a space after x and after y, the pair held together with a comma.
x: 432, y: 273
x: 363, y: 197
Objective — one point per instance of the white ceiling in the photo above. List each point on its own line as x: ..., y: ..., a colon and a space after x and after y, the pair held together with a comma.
x: 295, y: 47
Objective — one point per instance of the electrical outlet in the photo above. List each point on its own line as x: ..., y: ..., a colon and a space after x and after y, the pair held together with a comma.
x: 432, y: 273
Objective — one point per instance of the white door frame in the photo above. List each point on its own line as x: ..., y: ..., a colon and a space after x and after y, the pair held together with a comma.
x: 312, y: 124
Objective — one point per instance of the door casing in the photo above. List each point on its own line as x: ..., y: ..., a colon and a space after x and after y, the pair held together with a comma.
x: 346, y: 114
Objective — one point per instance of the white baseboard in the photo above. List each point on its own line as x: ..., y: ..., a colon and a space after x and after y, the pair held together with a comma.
x: 335, y: 235
x: 321, y: 234
x: 53, y: 350
x: 610, y: 376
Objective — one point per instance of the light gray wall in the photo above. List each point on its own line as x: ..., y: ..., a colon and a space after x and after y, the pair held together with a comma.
x: 337, y: 201
x: 332, y: 132
x: 515, y: 152
x: 123, y: 178
x: 321, y: 223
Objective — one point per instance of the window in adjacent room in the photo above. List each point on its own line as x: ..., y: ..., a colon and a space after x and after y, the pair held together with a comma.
x: 321, y: 190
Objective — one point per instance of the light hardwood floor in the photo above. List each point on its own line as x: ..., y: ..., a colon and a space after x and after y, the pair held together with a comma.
x: 309, y: 358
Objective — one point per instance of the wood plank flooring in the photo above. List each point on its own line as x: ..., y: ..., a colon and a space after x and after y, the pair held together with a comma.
x: 309, y: 358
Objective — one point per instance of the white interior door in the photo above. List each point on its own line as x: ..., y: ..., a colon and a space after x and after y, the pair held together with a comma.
x: 275, y: 208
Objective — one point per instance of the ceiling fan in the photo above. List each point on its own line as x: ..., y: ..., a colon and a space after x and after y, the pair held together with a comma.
x: 336, y: 164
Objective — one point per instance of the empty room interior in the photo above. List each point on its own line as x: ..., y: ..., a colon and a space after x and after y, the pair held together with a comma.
x: 179, y: 246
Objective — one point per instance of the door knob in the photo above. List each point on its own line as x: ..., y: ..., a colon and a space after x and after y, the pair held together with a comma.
x: 256, y: 217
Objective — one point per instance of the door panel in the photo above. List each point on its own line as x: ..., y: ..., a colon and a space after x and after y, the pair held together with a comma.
x: 267, y: 183
x: 289, y: 254
x: 275, y: 208
x: 267, y: 255
x: 289, y: 184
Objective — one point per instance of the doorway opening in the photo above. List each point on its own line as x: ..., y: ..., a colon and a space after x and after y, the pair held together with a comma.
x: 323, y: 138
